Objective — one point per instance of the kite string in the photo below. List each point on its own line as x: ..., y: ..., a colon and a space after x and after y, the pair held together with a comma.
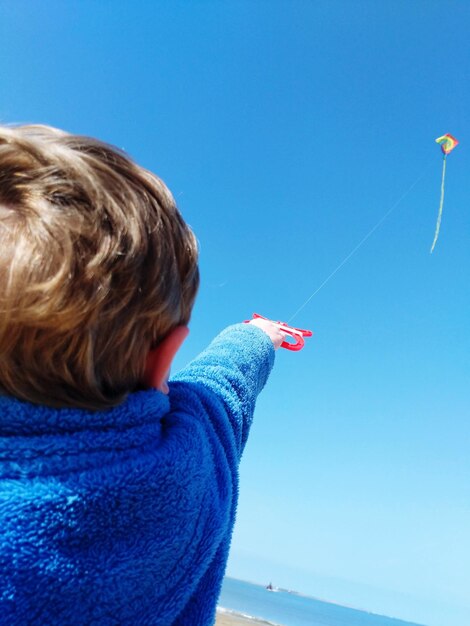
x: 441, y: 203
x: 356, y: 248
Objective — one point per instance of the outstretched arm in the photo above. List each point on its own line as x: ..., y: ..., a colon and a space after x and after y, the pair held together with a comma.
x: 231, y: 372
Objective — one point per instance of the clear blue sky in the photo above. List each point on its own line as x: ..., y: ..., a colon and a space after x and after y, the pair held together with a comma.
x: 286, y: 130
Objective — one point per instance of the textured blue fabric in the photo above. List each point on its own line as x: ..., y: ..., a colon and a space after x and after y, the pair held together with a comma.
x: 124, y: 516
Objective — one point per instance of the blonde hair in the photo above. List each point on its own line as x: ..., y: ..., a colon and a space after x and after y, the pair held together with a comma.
x: 96, y: 267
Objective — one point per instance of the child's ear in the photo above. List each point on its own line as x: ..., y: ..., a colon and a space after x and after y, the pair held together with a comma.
x: 157, y: 368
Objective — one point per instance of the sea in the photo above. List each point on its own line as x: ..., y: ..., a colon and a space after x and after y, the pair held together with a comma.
x: 288, y: 608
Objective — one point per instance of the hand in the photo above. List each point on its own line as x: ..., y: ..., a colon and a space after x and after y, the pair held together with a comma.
x: 273, y: 332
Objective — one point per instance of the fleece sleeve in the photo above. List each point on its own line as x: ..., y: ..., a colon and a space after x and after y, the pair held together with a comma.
x: 216, y: 395
x: 232, y: 370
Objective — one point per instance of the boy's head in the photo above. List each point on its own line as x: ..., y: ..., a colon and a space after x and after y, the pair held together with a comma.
x: 97, y: 267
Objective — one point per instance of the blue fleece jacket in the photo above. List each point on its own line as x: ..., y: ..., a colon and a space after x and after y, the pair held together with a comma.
x: 124, y: 517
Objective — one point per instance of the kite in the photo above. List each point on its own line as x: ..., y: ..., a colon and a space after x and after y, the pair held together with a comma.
x: 448, y: 143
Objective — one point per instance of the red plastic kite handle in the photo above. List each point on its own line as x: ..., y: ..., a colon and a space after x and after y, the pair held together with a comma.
x: 297, y: 334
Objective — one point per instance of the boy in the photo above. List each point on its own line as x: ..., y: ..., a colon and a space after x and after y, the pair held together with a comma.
x: 117, y: 490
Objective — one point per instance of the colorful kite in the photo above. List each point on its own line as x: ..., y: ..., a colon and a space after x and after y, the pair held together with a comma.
x: 448, y: 143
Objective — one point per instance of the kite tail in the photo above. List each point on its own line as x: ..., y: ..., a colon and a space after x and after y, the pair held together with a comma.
x: 441, y: 204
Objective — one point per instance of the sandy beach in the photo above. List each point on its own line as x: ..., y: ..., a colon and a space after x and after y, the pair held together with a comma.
x: 230, y: 619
